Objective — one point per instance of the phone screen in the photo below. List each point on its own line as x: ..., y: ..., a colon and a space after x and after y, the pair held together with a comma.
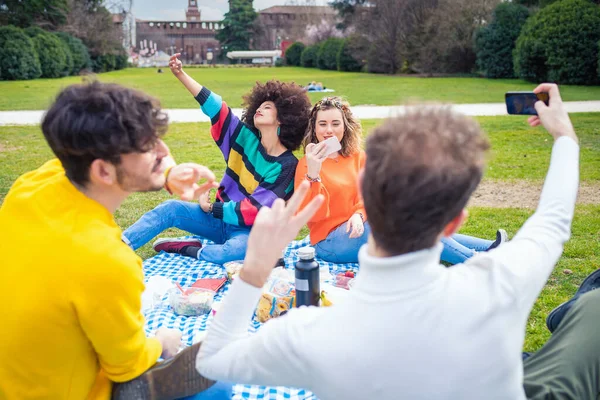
x: 523, y: 103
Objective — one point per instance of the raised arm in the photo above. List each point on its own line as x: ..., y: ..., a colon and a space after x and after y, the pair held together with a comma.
x: 177, y: 69
x: 523, y: 265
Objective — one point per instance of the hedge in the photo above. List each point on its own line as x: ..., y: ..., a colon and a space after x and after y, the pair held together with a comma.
x: 81, y: 56
x: 18, y: 58
x: 293, y: 54
x: 560, y: 44
x: 495, y: 42
x: 309, y: 56
x: 50, y: 50
x: 327, y: 54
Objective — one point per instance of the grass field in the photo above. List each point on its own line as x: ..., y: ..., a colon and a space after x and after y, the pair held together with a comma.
x: 233, y: 83
x: 518, y: 153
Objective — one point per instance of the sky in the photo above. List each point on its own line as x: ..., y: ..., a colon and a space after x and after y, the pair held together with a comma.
x: 210, y: 10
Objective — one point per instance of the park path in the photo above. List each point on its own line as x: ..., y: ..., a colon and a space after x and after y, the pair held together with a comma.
x: 362, y: 112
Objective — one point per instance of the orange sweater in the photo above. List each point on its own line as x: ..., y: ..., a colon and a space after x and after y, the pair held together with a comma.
x: 339, y: 185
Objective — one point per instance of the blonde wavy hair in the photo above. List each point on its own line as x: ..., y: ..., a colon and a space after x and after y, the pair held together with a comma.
x: 351, y: 142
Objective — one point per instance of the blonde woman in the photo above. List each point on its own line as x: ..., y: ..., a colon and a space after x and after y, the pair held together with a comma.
x: 340, y: 227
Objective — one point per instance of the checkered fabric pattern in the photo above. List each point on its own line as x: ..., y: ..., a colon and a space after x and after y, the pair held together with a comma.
x: 185, y: 271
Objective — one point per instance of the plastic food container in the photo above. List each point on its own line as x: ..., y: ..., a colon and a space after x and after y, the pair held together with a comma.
x: 233, y: 269
x: 192, y: 301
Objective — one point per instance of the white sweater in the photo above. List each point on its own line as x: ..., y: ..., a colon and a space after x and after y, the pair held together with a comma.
x: 410, y: 328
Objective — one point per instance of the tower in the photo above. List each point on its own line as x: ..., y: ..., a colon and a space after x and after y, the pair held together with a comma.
x: 192, y: 13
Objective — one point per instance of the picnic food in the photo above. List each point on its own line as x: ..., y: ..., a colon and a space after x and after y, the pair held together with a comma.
x: 191, y: 302
x: 271, y: 306
x: 233, y: 269
x: 349, y: 274
x: 341, y: 281
x: 325, y: 302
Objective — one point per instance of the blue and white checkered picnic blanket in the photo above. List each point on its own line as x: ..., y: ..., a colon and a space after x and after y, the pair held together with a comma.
x: 186, y: 271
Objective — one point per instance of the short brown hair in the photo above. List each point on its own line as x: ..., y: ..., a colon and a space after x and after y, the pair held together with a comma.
x: 352, y: 129
x: 98, y: 120
x: 421, y: 169
x: 292, y: 104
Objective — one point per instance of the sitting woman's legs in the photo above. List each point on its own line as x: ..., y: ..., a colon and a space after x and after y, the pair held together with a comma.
x: 337, y: 247
x: 174, y: 214
x: 233, y: 249
x: 459, y: 248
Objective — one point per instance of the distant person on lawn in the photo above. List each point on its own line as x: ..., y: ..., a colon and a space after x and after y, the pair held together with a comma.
x: 260, y: 168
x: 340, y: 227
x: 411, y: 328
x: 71, y: 289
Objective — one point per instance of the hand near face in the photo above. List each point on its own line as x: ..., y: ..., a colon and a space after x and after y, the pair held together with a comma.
x: 315, y: 155
x: 355, y: 226
x: 183, y: 180
x: 273, y: 229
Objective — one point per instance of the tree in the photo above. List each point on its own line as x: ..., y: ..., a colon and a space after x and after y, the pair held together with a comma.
x: 560, y: 44
x: 495, y: 42
x: 383, y: 28
x: 348, y: 11
x: 450, y: 35
x: 294, y: 53
x: 49, y: 14
x: 237, y: 27
x: 18, y: 58
x: 51, y: 52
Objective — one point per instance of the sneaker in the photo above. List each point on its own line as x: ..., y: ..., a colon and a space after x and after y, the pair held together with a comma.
x: 174, y: 245
x: 171, y: 379
x: 501, y: 237
x: 590, y: 283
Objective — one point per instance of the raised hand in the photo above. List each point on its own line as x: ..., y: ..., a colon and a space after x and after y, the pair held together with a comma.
x: 183, y: 181
x: 273, y: 229
x: 175, y: 64
x: 553, y: 116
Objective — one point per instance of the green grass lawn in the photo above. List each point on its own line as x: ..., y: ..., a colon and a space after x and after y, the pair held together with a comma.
x: 518, y: 152
x: 233, y: 83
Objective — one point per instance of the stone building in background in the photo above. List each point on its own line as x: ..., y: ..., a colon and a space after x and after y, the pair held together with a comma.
x: 195, y: 39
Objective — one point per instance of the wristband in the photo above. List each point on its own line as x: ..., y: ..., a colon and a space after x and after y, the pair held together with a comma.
x: 308, y: 178
x: 167, y: 172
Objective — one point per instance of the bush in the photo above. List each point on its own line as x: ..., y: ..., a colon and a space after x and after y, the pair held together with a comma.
x: 68, y: 70
x: 348, y: 57
x: 279, y: 62
x: 18, y: 58
x: 51, y: 52
x: 560, y: 44
x: 293, y: 54
x: 309, y: 56
x: 121, y: 60
x: 327, y: 55
x: 104, y: 62
x: 80, y: 54
x: 495, y: 42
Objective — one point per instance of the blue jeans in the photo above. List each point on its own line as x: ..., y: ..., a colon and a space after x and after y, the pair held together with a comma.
x: 459, y: 248
x: 218, y: 391
x: 231, y: 240
x: 337, y: 247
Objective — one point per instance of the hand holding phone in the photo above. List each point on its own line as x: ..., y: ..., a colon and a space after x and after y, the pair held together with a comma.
x: 523, y: 103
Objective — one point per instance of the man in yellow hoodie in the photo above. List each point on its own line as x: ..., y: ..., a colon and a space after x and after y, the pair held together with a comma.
x: 70, y: 289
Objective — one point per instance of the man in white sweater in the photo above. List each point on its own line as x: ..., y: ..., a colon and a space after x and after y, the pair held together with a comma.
x: 410, y: 327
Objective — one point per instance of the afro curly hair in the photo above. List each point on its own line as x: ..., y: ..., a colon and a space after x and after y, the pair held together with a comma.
x: 293, y: 109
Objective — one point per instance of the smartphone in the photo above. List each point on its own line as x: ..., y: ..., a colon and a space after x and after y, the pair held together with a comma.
x: 523, y: 103
x: 333, y: 145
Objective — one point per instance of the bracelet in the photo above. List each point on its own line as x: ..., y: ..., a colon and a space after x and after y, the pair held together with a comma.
x: 167, y: 172
x: 308, y: 178
x: 210, y: 208
x: 362, y: 217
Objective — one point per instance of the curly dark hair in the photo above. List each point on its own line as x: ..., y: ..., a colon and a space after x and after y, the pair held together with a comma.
x: 293, y: 109
x: 101, y: 121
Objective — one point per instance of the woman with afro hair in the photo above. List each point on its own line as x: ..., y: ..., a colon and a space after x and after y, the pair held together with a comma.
x: 260, y: 168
